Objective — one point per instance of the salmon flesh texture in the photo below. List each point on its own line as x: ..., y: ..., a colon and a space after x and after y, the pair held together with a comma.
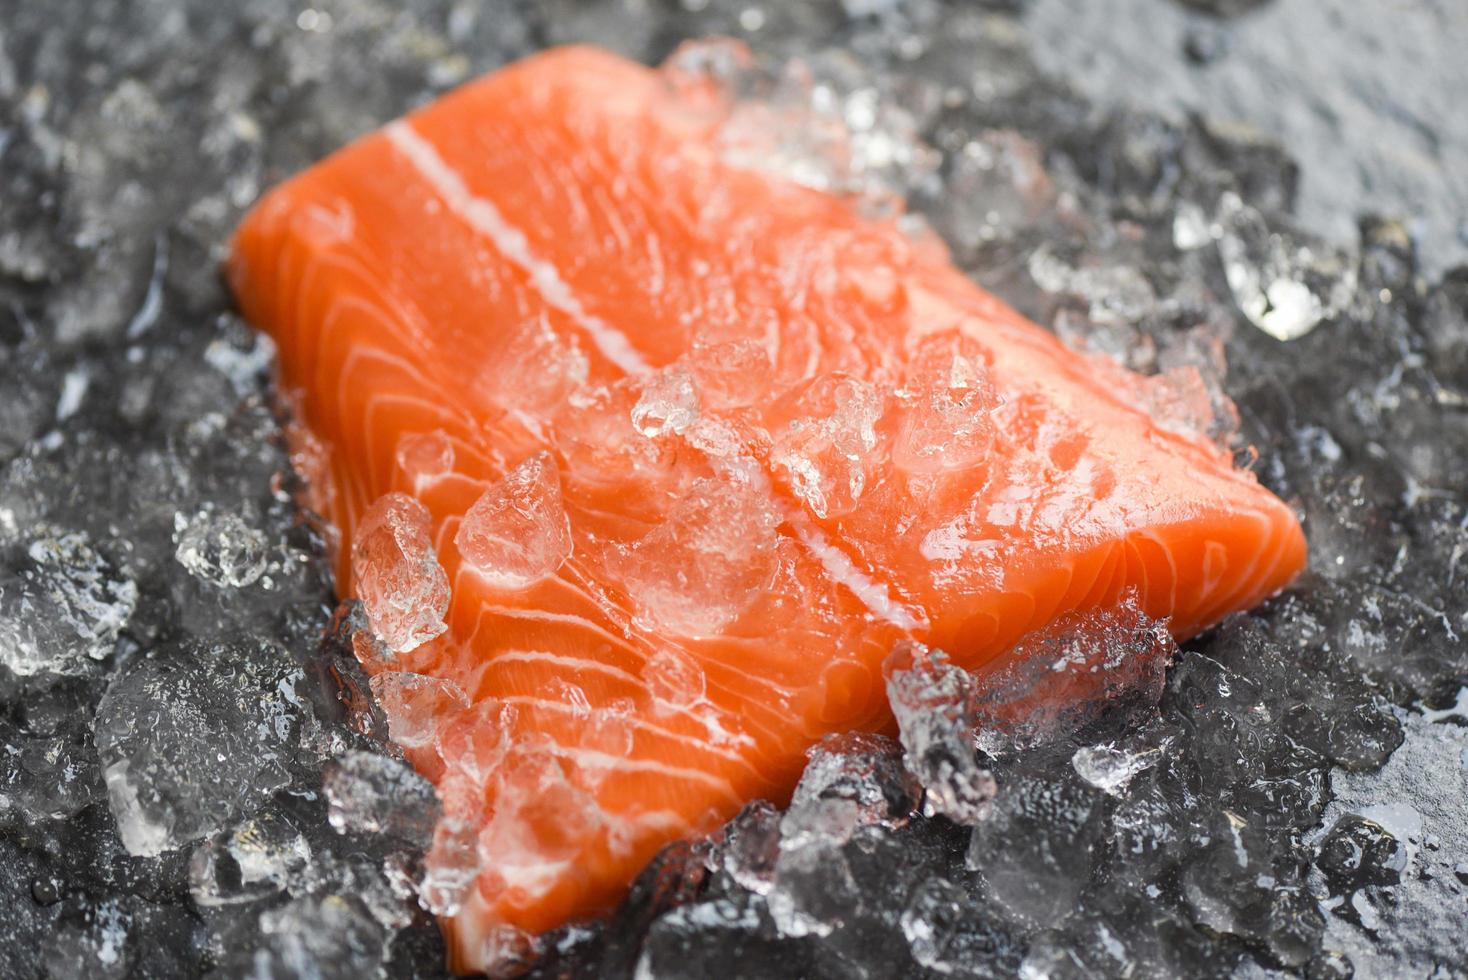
x: 642, y: 461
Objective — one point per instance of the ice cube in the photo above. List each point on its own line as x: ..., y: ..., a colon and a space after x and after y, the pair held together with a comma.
x: 751, y: 847
x: 946, y: 402
x: 451, y: 866
x: 62, y: 604
x: 397, y: 575
x: 1038, y: 846
x: 536, y: 370
x: 425, y: 456
x: 813, y: 885
x: 259, y: 857
x: 934, y: 704
x: 729, y: 374
x: 1063, y: 676
x: 673, y: 680
x: 947, y: 932
x: 669, y: 403
x: 1110, y: 766
x: 414, y: 703
x: 539, y: 823
x: 373, y: 794
x: 517, y: 532
x: 220, y: 548
x: 192, y: 738
x: 1113, y: 293
x: 823, y: 450
x: 866, y: 769
x: 712, y: 556
x: 1284, y: 288
x: 330, y: 935
x: 997, y: 187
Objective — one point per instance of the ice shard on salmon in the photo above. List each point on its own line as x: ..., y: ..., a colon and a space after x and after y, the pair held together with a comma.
x: 643, y: 458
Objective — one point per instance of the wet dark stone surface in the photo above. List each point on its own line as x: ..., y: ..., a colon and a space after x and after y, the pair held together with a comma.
x: 1291, y: 805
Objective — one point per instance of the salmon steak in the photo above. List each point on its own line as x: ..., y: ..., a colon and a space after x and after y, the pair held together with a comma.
x: 642, y: 459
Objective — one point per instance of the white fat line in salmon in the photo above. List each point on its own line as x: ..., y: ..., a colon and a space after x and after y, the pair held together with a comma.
x: 485, y: 218
x: 842, y: 569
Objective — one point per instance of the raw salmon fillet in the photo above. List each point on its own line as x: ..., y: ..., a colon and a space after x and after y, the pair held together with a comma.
x: 643, y: 460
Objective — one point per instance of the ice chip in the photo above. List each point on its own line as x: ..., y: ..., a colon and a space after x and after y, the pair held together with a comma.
x: 397, y: 575
x: 822, y: 124
x: 1113, y: 293
x: 539, y: 822
x: 425, y: 456
x: 190, y: 739
x: 451, y: 866
x: 1285, y: 289
x: 220, y: 548
x: 1038, y: 846
x: 668, y: 405
x: 673, y: 680
x: 330, y: 935
x: 947, y: 933
x: 474, y: 742
x: 946, y: 401
x: 1060, y: 678
x: 866, y: 769
x: 535, y: 371
x: 997, y: 187
x: 696, y: 572
x: 517, y: 532
x: 751, y: 847
x: 62, y: 605
x: 934, y: 704
x: 413, y: 704
x: 822, y: 452
x: 813, y: 885
x: 729, y: 374
x: 1110, y: 767
x: 258, y: 858
x: 373, y: 794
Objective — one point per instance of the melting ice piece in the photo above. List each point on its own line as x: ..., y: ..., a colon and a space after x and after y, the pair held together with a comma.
x: 425, y: 455
x: 673, y: 680
x: 947, y: 399
x: 703, y: 566
x: 64, y: 605
x: 1037, y: 848
x: 865, y: 769
x: 751, y: 847
x: 729, y: 374
x: 450, y: 867
x: 539, y: 819
x: 948, y: 933
x: 1110, y: 766
x: 517, y: 532
x: 220, y: 548
x: 413, y: 704
x: 823, y: 452
x: 1059, y: 678
x: 313, y: 936
x: 934, y: 704
x: 267, y: 852
x: 668, y: 404
x: 403, y: 589
x: 373, y: 794
x: 1284, y: 289
x: 190, y: 739
x: 535, y: 371
x: 813, y: 884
